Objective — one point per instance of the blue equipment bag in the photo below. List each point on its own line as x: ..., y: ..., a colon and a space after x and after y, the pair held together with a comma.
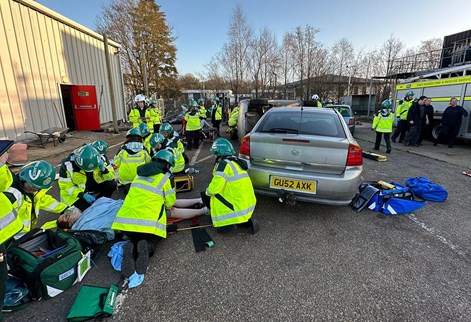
x: 395, y: 201
x: 427, y: 190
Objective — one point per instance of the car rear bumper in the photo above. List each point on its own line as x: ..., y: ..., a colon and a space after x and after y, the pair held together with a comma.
x: 335, y: 190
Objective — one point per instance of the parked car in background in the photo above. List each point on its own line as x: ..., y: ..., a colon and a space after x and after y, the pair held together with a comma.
x: 303, y: 153
x: 346, y: 112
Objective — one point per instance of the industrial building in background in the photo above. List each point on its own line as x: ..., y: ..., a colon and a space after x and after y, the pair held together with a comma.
x: 54, y: 73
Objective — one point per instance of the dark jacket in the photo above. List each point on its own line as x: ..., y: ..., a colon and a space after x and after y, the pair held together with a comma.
x: 452, y: 116
x: 414, y: 115
x: 429, y: 112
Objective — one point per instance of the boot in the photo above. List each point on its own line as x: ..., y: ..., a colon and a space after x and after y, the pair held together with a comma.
x: 253, y: 224
x: 142, y: 261
x: 128, y: 266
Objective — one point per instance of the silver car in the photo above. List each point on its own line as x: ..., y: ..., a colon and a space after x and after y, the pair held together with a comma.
x: 303, y: 153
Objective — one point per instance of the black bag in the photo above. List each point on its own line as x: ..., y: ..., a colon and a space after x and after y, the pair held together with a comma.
x: 90, y: 240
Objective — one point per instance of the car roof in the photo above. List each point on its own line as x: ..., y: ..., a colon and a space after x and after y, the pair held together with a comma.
x: 298, y: 108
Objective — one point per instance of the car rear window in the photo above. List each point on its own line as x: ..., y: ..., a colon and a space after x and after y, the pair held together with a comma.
x: 343, y: 110
x: 302, y: 123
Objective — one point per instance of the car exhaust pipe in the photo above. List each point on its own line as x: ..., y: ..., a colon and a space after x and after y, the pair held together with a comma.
x: 287, y: 197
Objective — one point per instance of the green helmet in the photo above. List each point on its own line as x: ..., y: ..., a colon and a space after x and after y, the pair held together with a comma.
x: 87, y: 158
x: 193, y: 103
x: 165, y: 155
x: 200, y: 100
x: 215, y: 98
x: 166, y: 128
x: 38, y: 174
x: 410, y: 93
x: 153, y: 101
x: 386, y: 104
x: 222, y: 147
x: 133, y: 132
x: 101, y: 146
x: 144, y: 128
x: 156, y: 139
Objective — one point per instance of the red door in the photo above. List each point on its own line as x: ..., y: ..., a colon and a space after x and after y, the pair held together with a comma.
x: 85, y: 107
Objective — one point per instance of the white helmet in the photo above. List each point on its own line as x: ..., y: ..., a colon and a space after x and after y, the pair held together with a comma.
x: 139, y: 98
x: 315, y: 97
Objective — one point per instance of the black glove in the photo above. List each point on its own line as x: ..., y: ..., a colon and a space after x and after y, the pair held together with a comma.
x: 205, y: 199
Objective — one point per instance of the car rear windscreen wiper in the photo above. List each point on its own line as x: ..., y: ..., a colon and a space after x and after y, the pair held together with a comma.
x: 281, y: 130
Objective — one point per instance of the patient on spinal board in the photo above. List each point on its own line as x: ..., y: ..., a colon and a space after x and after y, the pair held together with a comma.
x: 101, y: 214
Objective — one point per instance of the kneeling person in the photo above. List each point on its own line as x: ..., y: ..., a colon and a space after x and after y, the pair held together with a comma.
x: 143, y: 218
x: 230, y: 195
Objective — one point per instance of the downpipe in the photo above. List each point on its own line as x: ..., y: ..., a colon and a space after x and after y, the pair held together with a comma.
x: 287, y: 197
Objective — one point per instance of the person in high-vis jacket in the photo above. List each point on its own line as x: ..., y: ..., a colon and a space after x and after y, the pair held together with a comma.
x: 192, y: 127
x: 145, y: 134
x: 202, y: 109
x: 402, y: 111
x: 153, y: 116
x: 131, y: 155
x: 216, y: 114
x: 137, y: 114
x: 84, y: 172
x: 158, y: 142
x: 28, y: 193
x: 382, y: 124
x: 10, y: 222
x: 316, y: 98
x: 230, y: 195
x: 142, y: 217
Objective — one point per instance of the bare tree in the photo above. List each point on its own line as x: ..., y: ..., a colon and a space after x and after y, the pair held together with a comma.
x: 342, y: 53
x: 311, y: 55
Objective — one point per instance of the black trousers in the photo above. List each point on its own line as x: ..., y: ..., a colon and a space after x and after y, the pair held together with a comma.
x: 448, y: 134
x: 104, y: 189
x: 387, y: 140
x: 413, y: 135
x: 401, y: 130
x: 216, y: 125
x: 156, y: 128
x: 151, y: 239
x: 192, y: 139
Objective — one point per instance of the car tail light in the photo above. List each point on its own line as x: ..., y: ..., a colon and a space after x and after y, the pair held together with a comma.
x: 355, y: 156
x: 245, y: 145
x: 351, y: 121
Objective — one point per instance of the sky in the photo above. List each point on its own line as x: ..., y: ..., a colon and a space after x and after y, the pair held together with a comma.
x: 201, y: 26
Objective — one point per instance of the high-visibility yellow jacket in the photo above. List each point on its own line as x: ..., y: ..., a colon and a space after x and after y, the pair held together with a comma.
x: 218, y: 113
x: 127, y: 162
x: 146, y: 142
x: 192, y: 122
x: 6, y: 178
x: 234, y: 116
x: 179, y: 159
x: 202, y: 112
x: 383, y: 124
x: 232, y: 195
x: 143, y: 210
x: 134, y: 117
x: 28, y: 206
x: 10, y: 223
x: 403, y: 109
x: 153, y: 117
x: 72, y: 179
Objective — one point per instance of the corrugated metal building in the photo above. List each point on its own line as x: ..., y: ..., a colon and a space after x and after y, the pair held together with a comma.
x: 41, y: 54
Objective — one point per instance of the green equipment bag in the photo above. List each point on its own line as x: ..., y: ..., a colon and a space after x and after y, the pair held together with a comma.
x: 93, y: 302
x: 46, y: 261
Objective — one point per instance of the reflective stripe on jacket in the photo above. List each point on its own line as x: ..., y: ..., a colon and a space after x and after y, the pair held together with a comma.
x: 383, y: 124
x: 218, y: 113
x: 143, y: 210
x: 10, y: 223
x: 232, y: 195
x: 234, y: 117
x: 134, y: 116
x: 403, y: 109
x: 192, y: 122
x: 72, y: 179
x: 127, y: 164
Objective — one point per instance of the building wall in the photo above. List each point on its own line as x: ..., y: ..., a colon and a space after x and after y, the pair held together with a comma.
x: 39, y: 50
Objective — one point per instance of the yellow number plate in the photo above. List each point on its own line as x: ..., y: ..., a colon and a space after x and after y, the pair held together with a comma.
x: 293, y: 184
